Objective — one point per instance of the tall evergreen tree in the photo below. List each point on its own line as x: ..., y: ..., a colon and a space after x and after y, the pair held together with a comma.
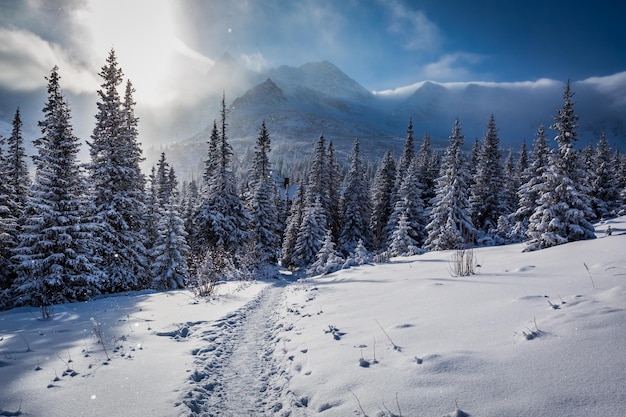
x: 262, y: 202
x: 333, y: 186
x: 408, y: 153
x: 355, y: 206
x: 8, y: 226
x: 290, y: 237
x: 118, y: 185
x: 327, y: 259
x: 223, y: 217
x: 427, y: 168
x: 169, y: 253
x: 532, y: 180
x: 564, y: 206
x: 603, y: 182
x: 311, y: 234
x: 17, y: 170
x: 486, y: 190
x: 54, y: 255
x: 382, y: 200
x: 450, y: 224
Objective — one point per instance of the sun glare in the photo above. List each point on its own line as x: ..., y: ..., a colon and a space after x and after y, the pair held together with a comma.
x: 142, y: 34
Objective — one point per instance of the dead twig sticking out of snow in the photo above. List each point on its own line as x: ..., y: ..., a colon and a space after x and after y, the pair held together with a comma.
x: 358, y: 402
x: 395, y: 347
x: 590, y: 276
x: 97, y: 330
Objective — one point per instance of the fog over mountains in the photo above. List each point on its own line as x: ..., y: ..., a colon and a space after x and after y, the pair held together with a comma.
x: 299, y: 104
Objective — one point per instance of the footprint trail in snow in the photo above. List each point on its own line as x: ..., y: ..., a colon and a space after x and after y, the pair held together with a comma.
x: 235, y: 371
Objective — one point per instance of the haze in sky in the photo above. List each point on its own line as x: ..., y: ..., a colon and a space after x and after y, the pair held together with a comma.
x: 167, y: 47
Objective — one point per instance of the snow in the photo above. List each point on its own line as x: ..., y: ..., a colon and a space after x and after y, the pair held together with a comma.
x: 530, y: 334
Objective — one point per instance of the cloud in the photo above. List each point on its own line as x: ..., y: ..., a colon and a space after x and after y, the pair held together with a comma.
x: 455, y: 66
x: 418, y: 32
x: 255, y: 61
x: 403, y: 91
x: 613, y: 86
x: 25, y: 59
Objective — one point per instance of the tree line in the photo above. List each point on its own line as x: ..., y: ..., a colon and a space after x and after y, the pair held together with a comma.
x: 75, y: 231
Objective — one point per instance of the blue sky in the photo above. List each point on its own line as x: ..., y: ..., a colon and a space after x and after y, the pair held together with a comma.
x: 387, y: 43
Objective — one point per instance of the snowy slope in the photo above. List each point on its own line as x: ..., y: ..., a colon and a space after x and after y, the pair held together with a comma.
x: 531, y: 334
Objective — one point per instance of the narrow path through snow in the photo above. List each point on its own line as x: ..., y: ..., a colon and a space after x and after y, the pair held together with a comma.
x: 235, y: 370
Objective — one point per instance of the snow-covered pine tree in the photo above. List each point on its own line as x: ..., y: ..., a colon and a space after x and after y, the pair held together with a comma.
x: 355, y: 206
x: 486, y: 190
x: 333, y: 186
x: 427, y: 168
x: 319, y: 176
x: 152, y: 209
x: 55, y: 252
x: 17, y: 175
x: 474, y: 158
x: 564, y: 206
x: 401, y: 243
x: 262, y: 203
x: 382, y: 200
x: 531, y: 182
x: 118, y: 185
x: 510, y: 185
x: 522, y: 164
x: 169, y: 253
x: 164, y: 187
x: 311, y: 233
x: 8, y: 228
x: 292, y: 227
x: 450, y: 224
x: 327, y: 260
x: 360, y: 256
x: 410, y: 207
x: 226, y: 218
x: 408, y: 153
x: 603, y: 182
x: 200, y: 231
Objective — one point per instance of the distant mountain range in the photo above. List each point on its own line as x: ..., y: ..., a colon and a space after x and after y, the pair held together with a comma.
x: 299, y: 104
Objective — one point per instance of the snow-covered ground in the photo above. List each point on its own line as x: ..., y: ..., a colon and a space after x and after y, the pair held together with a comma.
x: 531, y: 334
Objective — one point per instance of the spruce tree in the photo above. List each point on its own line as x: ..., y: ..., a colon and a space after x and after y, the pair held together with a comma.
x: 223, y: 218
x: 327, y: 260
x: 409, y: 209
x: 292, y: 227
x: 16, y: 175
x: 311, y: 234
x: 564, y: 206
x: 401, y: 242
x: 8, y: 226
x: 169, y: 267
x: 450, y: 225
x: 486, y: 190
x: 355, y: 206
x: 382, y: 201
x: 262, y: 203
x: 427, y: 168
x: 118, y: 185
x: 55, y: 252
x: 603, y: 182
x: 333, y: 186
x: 532, y: 180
